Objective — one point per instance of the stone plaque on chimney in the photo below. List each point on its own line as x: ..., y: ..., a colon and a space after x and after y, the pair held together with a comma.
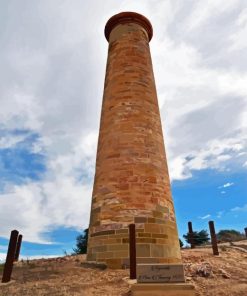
x: 160, y: 273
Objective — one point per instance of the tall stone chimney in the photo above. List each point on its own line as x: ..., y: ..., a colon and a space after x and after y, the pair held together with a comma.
x: 131, y: 180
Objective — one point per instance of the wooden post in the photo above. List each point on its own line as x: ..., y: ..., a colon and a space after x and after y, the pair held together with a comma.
x: 8, y: 266
x: 18, y: 247
x: 132, y: 250
x: 213, y: 238
x: 191, y: 236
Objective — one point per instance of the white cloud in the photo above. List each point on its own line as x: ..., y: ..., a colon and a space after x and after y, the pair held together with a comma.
x: 205, y: 217
x: 219, y: 214
x: 205, y: 10
x: 10, y: 141
x: 213, y: 154
x: 35, y: 208
x: 240, y: 209
x: 238, y: 37
x: 228, y: 184
x: 178, y: 170
x: 61, y: 199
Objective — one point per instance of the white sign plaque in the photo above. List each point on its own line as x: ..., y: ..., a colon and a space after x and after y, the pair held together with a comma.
x: 160, y: 273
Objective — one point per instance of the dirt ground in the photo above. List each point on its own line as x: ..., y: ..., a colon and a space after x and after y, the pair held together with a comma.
x: 225, y: 274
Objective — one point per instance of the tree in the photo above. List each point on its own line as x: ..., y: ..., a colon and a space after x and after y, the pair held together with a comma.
x: 199, y: 238
x: 181, y: 243
x: 229, y: 235
x: 81, y: 243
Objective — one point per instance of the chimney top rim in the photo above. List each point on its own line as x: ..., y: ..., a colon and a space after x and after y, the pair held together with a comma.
x: 128, y: 17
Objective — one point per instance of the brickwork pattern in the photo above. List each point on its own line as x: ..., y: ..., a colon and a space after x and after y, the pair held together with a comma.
x: 131, y: 180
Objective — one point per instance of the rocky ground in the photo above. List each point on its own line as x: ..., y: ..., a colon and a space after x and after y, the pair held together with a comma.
x: 225, y: 274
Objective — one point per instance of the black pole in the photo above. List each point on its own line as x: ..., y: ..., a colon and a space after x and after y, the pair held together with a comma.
x: 18, y: 247
x: 132, y: 250
x: 191, y: 236
x: 8, y: 266
x: 213, y: 238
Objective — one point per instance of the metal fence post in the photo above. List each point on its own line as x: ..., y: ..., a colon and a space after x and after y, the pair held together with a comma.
x: 8, y: 266
x: 213, y: 238
x: 191, y: 235
x: 18, y: 247
x: 132, y: 250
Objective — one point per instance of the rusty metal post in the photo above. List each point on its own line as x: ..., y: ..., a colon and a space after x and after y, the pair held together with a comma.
x: 18, y: 247
x: 132, y: 250
x: 245, y: 231
x: 191, y: 236
x: 8, y: 266
x: 213, y: 238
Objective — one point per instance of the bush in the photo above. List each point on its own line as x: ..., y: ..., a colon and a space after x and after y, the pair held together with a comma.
x: 199, y: 238
x: 229, y: 235
x: 81, y: 243
x: 181, y: 243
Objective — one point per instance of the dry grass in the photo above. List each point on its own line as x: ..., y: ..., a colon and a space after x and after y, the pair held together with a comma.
x: 212, y: 276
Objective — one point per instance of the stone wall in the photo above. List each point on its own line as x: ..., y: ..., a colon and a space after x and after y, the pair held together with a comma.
x: 131, y: 180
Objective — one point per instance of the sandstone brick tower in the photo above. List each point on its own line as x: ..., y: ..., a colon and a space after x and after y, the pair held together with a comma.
x: 131, y: 181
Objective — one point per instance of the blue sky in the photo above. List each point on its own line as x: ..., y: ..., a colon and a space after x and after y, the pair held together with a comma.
x: 19, y: 162
x: 53, y: 57
x: 204, y: 198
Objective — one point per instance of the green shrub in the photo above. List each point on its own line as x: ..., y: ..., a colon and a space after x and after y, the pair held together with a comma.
x: 199, y: 238
x: 81, y: 243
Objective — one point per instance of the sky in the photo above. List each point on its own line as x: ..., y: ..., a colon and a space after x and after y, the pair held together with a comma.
x: 53, y: 57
